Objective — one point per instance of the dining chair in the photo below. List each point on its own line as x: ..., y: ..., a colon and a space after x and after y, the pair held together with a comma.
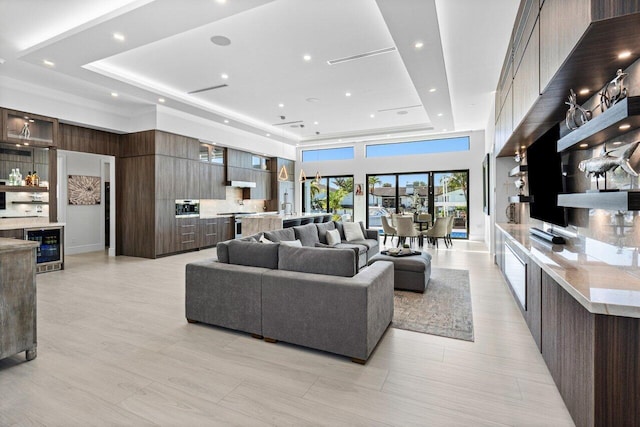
x: 404, y: 227
x: 394, y: 218
x: 449, y: 230
x: 388, y: 229
x: 439, y: 230
x: 423, y: 218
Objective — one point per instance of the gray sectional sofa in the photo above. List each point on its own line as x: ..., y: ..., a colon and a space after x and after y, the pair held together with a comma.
x: 312, y: 296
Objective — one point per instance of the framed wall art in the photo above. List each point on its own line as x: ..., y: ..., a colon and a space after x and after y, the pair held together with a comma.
x: 83, y: 190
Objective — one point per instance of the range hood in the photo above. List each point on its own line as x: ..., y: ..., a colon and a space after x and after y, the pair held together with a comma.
x: 242, y: 184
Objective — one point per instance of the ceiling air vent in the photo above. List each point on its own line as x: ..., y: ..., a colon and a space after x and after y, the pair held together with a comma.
x: 361, y: 55
x: 207, y: 89
x: 287, y: 123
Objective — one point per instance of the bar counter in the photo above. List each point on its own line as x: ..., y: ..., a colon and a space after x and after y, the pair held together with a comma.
x: 257, y: 223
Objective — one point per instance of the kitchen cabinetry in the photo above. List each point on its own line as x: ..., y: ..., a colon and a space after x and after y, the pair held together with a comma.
x: 211, y: 181
x: 238, y: 159
x: 188, y: 234
x: 526, y: 80
x: 29, y: 129
x: 208, y: 230
x: 18, y: 295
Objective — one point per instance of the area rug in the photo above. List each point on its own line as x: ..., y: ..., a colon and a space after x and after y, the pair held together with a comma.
x: 443, y: 309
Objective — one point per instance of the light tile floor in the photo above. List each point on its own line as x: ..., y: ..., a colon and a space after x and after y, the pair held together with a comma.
x: 114, y: 349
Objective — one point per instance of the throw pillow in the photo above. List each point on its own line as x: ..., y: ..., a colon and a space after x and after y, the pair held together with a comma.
x: 265, y: 240
x: 333, y: 237
x: 352, y: 231
x: 294, y: 243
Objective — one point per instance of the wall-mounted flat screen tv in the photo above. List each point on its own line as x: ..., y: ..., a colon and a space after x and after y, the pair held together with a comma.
x: 545, y: 179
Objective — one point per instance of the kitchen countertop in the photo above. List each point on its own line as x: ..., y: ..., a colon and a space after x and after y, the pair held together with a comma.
x: 8, y: 245
x: 277, y: 215
x: 16, y: 223
x: 602, y: 277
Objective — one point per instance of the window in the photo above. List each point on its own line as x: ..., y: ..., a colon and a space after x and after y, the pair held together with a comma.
x: 419, y: 147
x: 333, y: 194
x: 344, y: 153
x: 211, y: 154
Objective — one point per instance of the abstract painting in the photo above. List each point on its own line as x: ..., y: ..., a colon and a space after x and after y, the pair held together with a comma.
x: 83, y: 190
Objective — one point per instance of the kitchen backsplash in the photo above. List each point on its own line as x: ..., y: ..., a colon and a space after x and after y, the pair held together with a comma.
x: 25, y: 205
x: 231, y: 203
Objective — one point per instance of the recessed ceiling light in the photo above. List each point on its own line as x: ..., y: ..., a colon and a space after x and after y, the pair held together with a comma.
x: 114, y: 94
x: 584, y: 91
x: 226, y: 121
x: 17, y: 145
x: 26, y: 117
x: 583, y: 145
x: 433, y: 89
x: 118, y: 36
x: 617, y: 143
x: 315, y: 123
x: 307, y: 57
x: 347, y: 94
x: 372, y: 115
x: 281, y: 105
x: 624, y: 126
x: 224, y: 76
x: 624, y: 55
x: 2, y: 61
x: 31, y: 121
x: 26, y: 144
x: 439, y: 114
x: 268, y: 134
x: 221, y: 1
x: 523, y: 147
x: 48, y: 63
x: 161, y: 100
x: 220, y: 40
x: 418, y: 45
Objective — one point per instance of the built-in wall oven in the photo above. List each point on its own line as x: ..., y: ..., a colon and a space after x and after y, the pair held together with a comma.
x: 187, y: 208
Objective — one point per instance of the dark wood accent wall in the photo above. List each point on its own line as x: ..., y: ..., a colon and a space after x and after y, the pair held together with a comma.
x: 85, y: 140
x: 138, y: 144
x: 135, y: 206
x: 534, y: 301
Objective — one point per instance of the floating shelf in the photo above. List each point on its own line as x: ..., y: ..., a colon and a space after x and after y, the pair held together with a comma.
x: 22, y: 189
x: 612, y: 200
x: 29, y: 202
x: 605, y: 126
x: 520, y: 199
x: 519, y: 170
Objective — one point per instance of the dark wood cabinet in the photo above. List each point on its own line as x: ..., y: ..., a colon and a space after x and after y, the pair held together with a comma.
x: 239, y: 159
x: 235, y: 173
x: 188, y: 234
x: 225, y: 229
x: 13, y: 234
x: 533, y: 314
x: 165, y: 233
x: 173, y: 145
x: 562, y: 23
x: 30, y: 129
x: 212, y: 184
x: 208, y: 231
x: 526, y: 80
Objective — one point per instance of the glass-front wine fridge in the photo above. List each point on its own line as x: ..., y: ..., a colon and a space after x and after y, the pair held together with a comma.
x: 50, y: 254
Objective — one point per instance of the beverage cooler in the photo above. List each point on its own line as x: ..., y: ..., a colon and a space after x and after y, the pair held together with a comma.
x: 50, y: 254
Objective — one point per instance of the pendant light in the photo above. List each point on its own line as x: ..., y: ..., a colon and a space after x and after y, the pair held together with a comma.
x: 282, y: 174
x: 318, y: 177
x: 303, y: 176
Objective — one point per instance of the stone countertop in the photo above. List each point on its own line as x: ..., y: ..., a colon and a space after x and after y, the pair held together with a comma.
x: 17, y: 223
x: 8, y: 245
x: 602, y: 277
x: 276, y: 215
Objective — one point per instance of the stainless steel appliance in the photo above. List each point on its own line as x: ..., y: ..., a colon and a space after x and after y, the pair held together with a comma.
x: 50, y: 253
x: 237, y: 222
x: 187, y: 208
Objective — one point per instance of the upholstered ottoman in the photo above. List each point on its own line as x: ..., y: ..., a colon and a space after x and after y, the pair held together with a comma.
x: 410, y: 273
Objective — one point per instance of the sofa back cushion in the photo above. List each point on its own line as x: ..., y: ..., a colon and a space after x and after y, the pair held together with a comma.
x: 322, y: 230
x: 327, y: 261
x: 307, y: 234
x: 283, y: 234
x: 253, y: 254
x: 339, y: 227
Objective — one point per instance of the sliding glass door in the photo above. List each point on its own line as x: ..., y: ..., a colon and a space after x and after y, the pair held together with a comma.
x: 451, y: 199
x: 438, y: 193
x: 331, y: 194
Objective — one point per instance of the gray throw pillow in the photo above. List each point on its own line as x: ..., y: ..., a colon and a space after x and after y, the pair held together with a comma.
x: 333, y: 237
x: 323, y: 227
x: 253, y: 254
x: 307, y: 234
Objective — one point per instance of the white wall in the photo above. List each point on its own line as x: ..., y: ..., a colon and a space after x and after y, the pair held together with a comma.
x: 84, y: 229
x: 360, y: 166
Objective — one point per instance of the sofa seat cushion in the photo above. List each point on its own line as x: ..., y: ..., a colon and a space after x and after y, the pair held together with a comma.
x: 283, y: 234
x: 369, y: 243
x: 253, y: 254
x: 327, y: 261
x: 307, y: 234
x: 322, y: 230
x: 362, y: 249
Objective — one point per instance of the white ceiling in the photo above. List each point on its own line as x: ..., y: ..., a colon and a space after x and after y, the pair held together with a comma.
x: 167, y: 53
